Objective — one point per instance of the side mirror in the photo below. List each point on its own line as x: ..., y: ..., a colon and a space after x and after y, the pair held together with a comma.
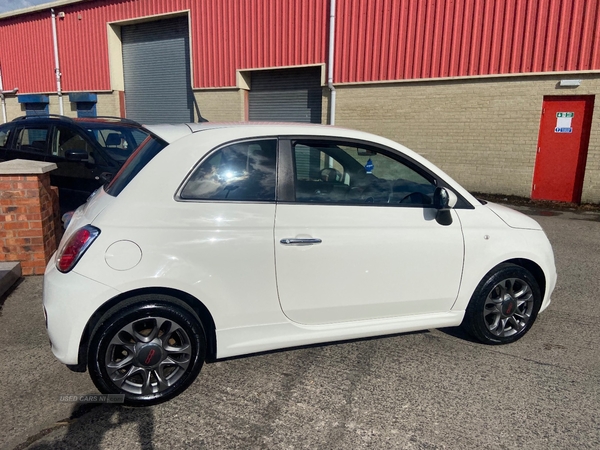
x: 77, y: 154
x: 105, y: 177
x: 444, y: 200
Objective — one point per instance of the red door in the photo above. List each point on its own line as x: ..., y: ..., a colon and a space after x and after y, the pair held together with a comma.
x: 562, y: 148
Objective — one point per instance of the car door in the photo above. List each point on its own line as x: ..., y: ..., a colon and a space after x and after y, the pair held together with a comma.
x: 225, y: 216
x: 357, y: 237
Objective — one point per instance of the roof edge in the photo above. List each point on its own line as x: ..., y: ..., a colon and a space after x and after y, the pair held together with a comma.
x: 38, y: 8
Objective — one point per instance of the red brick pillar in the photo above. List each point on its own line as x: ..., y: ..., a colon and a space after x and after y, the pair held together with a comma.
x: 29, y: 214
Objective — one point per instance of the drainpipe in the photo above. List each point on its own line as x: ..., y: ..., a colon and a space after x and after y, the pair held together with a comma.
x: 330, y: 63
x: 2, y: 92
x: 56, y: 64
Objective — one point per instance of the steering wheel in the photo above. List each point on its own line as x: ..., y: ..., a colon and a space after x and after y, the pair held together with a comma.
x: 331, y: 175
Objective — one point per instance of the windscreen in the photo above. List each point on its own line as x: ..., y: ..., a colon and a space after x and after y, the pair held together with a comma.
x: 142, y: 156
x: 116, y: 140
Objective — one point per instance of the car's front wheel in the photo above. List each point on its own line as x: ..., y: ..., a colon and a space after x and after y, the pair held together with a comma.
x: 150, y: 351
x: 504, y: 305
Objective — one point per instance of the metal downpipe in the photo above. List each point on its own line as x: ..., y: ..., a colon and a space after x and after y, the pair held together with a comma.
x: 56, y: 63
x: 330, y: 62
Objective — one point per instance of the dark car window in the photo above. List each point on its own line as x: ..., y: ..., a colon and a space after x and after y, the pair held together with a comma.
x: 118, y: 142
x: 138, y: 136
x: 142, y: 156
x: 5, y: 133
x: 68, y: 139
x: 32, y: 139
x: 242, y: 171
x: 349, y: 174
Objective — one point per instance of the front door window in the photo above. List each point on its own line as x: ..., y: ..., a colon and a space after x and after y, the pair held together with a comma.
x: 67, y: 139
x: 331, y: 172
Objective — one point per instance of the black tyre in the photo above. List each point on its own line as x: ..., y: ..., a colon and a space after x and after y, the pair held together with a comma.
x: 151, y: 350
x: 504, y: 305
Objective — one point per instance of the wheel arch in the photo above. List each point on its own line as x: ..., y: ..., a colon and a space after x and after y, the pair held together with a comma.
x: 192, y: 302
x: 532, y: 268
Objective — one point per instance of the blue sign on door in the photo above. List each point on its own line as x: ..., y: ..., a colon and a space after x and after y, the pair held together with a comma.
x: 563, y: 130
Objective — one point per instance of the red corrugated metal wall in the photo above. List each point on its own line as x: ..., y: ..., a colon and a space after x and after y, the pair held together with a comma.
x: 226, y: 35
x: 375, y: 39
x: 26, y: 54
x: 408, y: 39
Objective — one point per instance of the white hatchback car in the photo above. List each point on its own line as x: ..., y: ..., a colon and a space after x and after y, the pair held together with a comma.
x: 216, y: 240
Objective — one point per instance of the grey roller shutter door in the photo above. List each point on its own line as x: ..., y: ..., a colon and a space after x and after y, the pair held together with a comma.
x: 286, y: 95
x: 156, y: 65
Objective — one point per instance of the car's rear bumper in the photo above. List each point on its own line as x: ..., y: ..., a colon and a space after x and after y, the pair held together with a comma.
x: 70, y: 300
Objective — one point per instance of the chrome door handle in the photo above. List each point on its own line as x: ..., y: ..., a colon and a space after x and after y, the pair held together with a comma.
x: 297, y: 241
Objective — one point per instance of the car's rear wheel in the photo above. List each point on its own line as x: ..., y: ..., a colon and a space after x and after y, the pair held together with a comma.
x: 150, y: 351
x: 504, y: 305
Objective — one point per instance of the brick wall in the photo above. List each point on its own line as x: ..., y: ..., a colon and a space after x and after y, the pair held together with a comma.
x: 29, y: 220
x: 483, y: 132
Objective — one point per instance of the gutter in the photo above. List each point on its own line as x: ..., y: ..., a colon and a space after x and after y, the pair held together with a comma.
x: 37, y: 8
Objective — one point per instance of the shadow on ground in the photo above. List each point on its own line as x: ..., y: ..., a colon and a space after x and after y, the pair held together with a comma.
x: 459, y: 333
x: 90, y: 431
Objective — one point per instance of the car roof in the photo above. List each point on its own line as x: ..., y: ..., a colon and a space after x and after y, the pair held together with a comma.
x: 173, y: 132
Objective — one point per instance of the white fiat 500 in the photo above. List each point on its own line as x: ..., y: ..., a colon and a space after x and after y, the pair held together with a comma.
x: 216, y: 240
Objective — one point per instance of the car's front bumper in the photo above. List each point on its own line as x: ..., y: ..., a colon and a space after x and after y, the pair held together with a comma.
x: 70, y: 300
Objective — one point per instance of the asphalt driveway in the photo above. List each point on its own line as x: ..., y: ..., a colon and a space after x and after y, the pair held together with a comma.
x: 427, y: 390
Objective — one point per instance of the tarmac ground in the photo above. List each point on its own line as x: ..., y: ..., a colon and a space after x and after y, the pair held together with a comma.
x: 436, y: 389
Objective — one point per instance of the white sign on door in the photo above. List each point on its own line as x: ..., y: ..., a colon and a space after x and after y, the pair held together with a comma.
x: 563, y: 122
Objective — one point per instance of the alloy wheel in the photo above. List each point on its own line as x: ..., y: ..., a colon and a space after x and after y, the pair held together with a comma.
x: 508, y: 307
x: 147, y: 356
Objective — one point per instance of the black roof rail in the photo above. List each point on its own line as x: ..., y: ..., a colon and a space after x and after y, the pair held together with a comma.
x: 120, y: 119
x: 43, y: 116
x: 71, y: 119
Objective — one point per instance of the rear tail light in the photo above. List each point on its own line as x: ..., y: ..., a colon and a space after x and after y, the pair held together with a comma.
x: 75, y: 247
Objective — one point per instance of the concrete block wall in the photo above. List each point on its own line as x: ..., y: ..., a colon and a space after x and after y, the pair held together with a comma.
x: 217, y: 105
x: 13, y: 108
x: 483, y: 132
x: 221, y: 105
x: 229, y: 105
x: 29, y: 215
x: 107, y: 105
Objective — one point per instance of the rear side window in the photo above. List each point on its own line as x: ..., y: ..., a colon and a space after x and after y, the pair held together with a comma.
x: 33, y: 139
x: 142, y: 156
x: 244, y: 171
